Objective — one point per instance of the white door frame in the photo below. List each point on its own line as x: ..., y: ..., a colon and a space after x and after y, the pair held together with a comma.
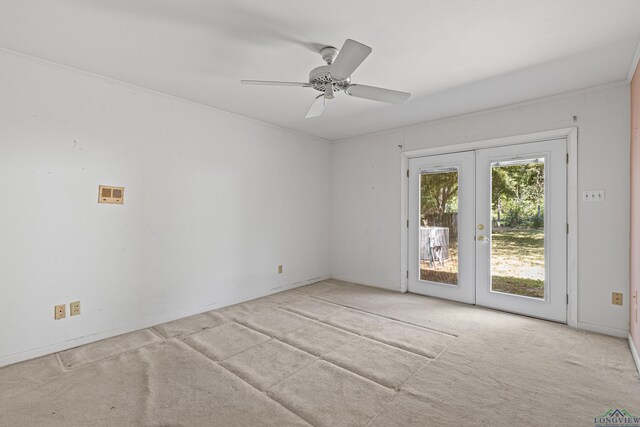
x: 568, y: 134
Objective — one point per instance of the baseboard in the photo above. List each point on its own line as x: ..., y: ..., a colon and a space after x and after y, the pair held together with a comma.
x: 605, y: 330
x: 86, y: 339
x: 372, y: 285
x: 634, y: 353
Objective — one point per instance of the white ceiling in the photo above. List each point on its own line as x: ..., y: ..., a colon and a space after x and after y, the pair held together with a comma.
x: 454, y: 56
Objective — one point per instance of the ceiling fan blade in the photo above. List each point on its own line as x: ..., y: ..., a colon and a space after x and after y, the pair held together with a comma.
x: 350, y: 57
x: 378, y: 94
x: 272, y: 83
x: 317, y: 107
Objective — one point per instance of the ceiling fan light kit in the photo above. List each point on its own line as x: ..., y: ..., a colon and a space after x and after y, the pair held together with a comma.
x: 336, y: 76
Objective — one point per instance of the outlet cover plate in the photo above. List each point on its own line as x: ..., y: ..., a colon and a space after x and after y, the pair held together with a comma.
x: 74, y: 308
x: 616, y: 298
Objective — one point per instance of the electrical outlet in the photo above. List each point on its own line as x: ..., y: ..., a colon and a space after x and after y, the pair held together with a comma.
x: 593, y: 196
x: 74, y: 308
x: 280, y: 269
x: 60, y: 312
x: 616, y: 298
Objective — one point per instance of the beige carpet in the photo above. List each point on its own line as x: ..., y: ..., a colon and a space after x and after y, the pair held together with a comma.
x: 330, y: 354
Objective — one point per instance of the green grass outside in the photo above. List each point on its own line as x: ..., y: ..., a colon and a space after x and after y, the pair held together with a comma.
x: 518, y: 286
x: 517, y: 263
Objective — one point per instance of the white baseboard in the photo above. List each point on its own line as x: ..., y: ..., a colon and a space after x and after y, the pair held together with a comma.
x: 634, y: 353
x: 615, y: 332
x: 605, y: 330
x: 394, y: 288
x: 75, y: 342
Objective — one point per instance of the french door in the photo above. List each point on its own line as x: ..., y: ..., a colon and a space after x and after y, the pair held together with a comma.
x: 488, y: 227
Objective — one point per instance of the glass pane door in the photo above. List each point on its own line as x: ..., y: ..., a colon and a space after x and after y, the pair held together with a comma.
x: 441, y: 246
x: 521, y: 229
x: 489, y: 227
x: 439, y: 225
x: 517, y: 227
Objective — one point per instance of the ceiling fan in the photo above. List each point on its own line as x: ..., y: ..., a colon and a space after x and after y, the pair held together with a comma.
x: 336, y: 76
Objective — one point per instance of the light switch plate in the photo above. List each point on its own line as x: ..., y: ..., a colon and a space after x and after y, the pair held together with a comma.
x: 593, y: 196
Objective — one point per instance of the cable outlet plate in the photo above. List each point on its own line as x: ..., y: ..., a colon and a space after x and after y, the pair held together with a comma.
x: 59, y: 311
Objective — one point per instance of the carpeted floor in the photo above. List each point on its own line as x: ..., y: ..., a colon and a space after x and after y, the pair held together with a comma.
x: 330, y: 354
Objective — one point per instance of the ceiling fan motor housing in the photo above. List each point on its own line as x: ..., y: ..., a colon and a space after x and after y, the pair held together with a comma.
x: 320, y: 76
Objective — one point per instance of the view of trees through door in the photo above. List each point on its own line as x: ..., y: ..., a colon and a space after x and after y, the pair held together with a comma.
x: 439, y: 226
x: 517, y: 239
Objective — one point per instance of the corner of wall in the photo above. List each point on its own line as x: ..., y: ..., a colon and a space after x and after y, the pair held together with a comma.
x: 634, y: 214
x: 634, y: 353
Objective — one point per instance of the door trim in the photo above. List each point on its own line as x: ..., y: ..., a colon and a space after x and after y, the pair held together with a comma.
x: 571, y: 136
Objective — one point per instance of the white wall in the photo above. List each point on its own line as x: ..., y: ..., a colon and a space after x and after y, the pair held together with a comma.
x: 213, y: 203
x: 366, y: 193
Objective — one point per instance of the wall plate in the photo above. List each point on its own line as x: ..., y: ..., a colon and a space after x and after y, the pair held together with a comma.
x: 59, y: 311
x: 110, y: 195
x: 593, y: 196
x: 616, y: 298
x: 74, y: 308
